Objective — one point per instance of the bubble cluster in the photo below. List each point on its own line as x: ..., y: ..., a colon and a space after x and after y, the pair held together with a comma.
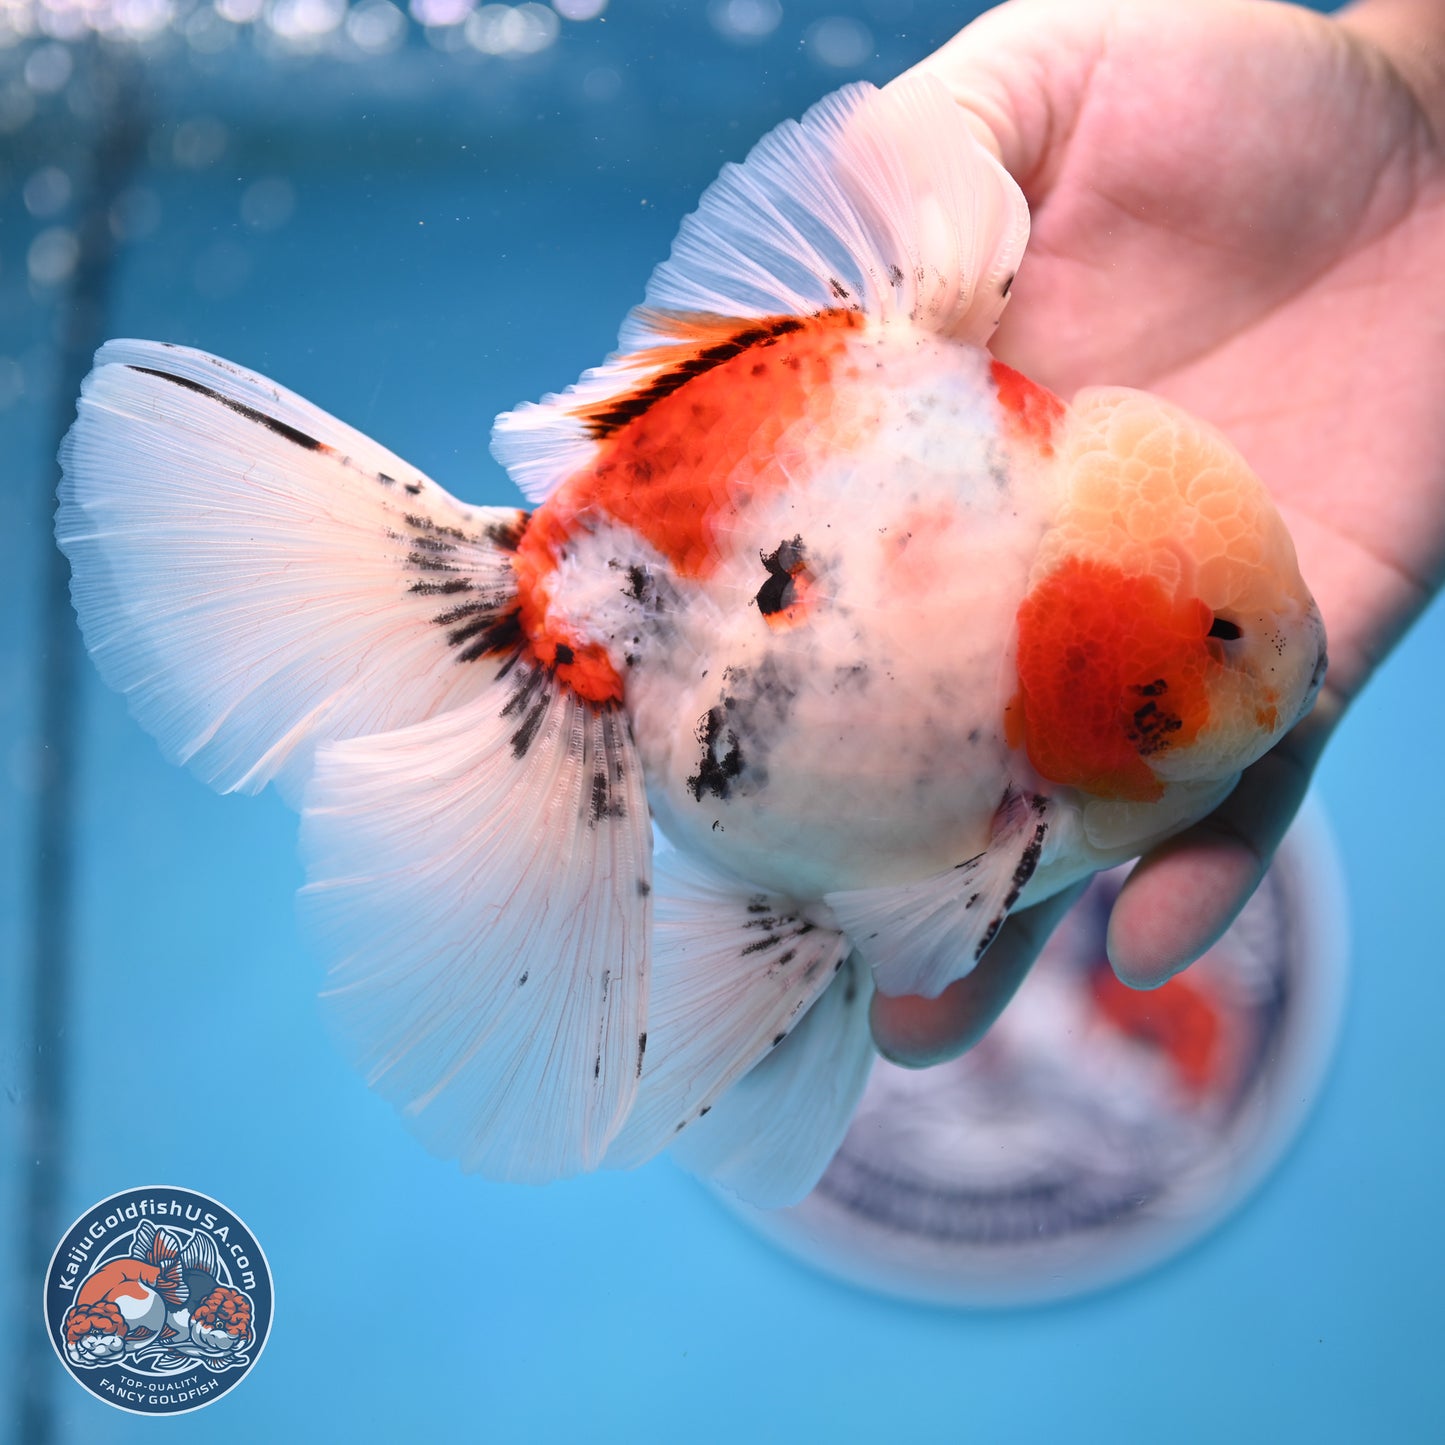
x: 354, y: 29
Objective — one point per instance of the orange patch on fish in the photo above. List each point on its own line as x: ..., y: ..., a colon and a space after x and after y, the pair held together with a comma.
x: 671, y: 466
x: 584, y: 666
x: 670, y: 463
x: 1111, y: 672
x: 1030, y: 412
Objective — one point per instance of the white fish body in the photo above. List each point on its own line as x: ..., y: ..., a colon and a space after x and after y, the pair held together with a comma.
x: 798, y: 584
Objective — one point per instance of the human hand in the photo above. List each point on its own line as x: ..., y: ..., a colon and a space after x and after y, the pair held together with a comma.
x: 1239, y: 205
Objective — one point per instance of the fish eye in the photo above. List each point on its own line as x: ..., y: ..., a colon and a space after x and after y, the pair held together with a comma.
x: 1225, y: 630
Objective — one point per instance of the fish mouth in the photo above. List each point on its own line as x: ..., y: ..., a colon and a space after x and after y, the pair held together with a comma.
x: 1322, y: 663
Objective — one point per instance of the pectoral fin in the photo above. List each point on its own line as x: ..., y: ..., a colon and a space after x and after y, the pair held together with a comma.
x: 734, y: 972
x: 919, y: 937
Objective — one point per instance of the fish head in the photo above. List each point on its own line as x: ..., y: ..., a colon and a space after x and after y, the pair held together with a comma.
x: 1167, y: 635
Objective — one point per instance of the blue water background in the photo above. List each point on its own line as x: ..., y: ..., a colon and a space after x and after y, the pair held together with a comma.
x: 463, y: 238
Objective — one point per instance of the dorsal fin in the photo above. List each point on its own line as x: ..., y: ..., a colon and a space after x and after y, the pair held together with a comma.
x: 880, y: 202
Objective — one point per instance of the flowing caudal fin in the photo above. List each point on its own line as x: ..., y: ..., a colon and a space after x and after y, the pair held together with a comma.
x: 880, y: 202
x: 276, y: 594
x: 484, y: 879
x: 920, y: 937
x: 257, y: 577
x: 733, y: 972
x: 772, y: 1134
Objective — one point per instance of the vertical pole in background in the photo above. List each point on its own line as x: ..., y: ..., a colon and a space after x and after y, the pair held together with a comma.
x: 119, y: 131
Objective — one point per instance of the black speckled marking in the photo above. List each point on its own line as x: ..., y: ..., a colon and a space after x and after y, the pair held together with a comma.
x: 599, y: 806
x: 761, y: 945
x: 438, y: 536
x: 483, y: 628
x: 1023, y: 871
x: 1151, y: 729
x: 782, y: 565
x: 483, y: 620
x: 722, y: 758
x: 448, y: 588
x: 631, y: 405
x: 641, y: 1049
x: 603, y: 802
x: 605, y: 798
x: 639, y: 584
x: 507, y: 534
x: 271, y: 423
x: 528, y: 702
x: 738, y: 733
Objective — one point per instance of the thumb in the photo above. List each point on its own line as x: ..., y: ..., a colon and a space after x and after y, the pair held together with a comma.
x: 1021, y: 72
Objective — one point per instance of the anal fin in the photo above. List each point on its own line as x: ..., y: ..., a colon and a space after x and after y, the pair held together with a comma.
x: 774, y: 1132
x: 734, y: 971
x: 919, y: 937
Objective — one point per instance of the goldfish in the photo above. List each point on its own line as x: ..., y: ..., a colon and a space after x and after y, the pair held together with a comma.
x: 825, y: 641
x: 160, y: 1294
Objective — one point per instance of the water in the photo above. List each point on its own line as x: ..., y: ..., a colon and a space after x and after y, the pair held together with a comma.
x: 416, y: 241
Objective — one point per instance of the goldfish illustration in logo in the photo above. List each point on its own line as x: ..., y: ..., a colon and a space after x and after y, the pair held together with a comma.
x: 160, y: 1301
x: 887, y: 640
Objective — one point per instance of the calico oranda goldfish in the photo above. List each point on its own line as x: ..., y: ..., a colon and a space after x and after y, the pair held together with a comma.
x: 886, y: 639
